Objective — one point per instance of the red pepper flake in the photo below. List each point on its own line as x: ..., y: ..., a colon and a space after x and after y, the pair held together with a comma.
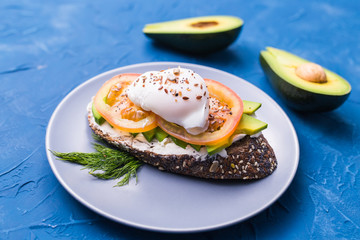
x: 166, y: 91
x: 143, y: 85
x: 160, y: 88
x: 185, y: 98
x: 196, y: 84
x: 198, y: 97
x: 186, y: 81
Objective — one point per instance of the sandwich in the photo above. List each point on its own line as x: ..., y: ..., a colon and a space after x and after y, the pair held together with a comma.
x: 181, y: 123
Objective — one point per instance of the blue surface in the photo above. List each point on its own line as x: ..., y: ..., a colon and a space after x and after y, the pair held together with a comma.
x: 47, y: 48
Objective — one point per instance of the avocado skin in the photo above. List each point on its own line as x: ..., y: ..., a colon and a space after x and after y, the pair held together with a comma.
x: 199, y: 42
x: 299, y: 99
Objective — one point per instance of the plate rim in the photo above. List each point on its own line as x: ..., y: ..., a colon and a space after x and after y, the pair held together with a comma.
x: 165, y: 229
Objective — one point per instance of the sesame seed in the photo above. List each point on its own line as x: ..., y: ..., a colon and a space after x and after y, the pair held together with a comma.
x: 198, y: 97
x: 185, y: 98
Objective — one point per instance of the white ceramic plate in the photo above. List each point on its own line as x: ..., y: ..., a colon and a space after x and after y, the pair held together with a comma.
x: 163, y: 201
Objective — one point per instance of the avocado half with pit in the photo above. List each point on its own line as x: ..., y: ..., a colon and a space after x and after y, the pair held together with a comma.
x: 196, y: 35
x: 303, y: 85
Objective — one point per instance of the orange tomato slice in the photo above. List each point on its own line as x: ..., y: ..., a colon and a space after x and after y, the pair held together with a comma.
x: 117, y: 109
x: 226, y: 97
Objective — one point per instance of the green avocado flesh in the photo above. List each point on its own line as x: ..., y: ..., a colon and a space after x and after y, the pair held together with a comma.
x: 251, y: 107
x: 98, y: 118
x: 198, y: 35
x: 160, y: 134
x: 149, y: 135
x: 248, y: 125
x: 280, y: 66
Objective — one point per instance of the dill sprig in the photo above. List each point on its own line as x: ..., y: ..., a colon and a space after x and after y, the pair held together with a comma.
x: 105, y: 163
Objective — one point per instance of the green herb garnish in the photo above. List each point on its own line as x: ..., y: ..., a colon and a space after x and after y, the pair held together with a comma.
x: 105, y: 163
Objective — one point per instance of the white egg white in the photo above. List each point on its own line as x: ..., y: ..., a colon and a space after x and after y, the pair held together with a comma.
x: 178, y: 95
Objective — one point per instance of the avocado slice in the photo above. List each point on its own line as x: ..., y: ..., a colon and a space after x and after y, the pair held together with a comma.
x: 251, y: 107
x: 303, y: 85
x: 248, y: 125
x: 196, y: 147
x: 149, y: 135
x: 98, y: 118
x: 160, y: 134
x: 196, y: 35
x: 212, y: 149
x: 179, y: 142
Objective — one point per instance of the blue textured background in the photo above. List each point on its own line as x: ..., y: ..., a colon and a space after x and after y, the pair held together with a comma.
x: 47, y: 48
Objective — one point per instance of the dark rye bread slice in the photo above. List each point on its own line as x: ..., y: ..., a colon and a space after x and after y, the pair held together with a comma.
x: 248, y: 158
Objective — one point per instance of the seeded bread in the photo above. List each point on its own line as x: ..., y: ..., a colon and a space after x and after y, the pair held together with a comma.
x: 247, y: 158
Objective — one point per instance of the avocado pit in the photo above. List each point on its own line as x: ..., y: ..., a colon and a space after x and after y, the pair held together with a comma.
x: 204, y: 24
x: 311, y: 72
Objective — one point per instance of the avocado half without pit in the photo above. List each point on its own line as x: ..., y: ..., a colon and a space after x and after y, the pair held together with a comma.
x: 196, y: 35
x: 303, y: 85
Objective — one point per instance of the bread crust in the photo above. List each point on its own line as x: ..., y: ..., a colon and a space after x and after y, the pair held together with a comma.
x: 247, y: 158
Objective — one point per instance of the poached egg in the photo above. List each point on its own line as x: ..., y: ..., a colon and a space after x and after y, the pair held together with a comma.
x: 178, y: 95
